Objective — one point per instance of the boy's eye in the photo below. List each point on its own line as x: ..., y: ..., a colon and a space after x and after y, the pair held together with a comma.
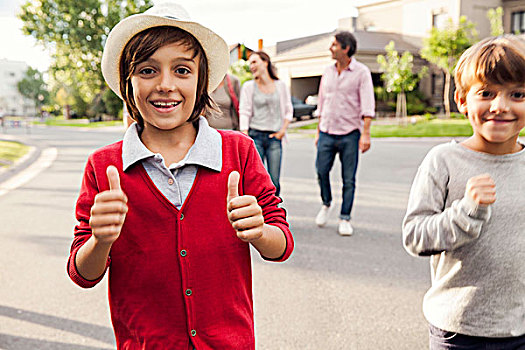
x: 485, y: 93
x: 518, y: 95
x: 146, y: 71
x: 182, y: 71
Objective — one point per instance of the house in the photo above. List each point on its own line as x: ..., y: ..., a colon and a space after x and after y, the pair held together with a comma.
x: 300, y: 62
x: 417, y: 17
x: 11, y: 101
x: 238, y: 51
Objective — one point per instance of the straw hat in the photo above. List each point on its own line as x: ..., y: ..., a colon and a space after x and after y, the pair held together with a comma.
x: 165, y: 14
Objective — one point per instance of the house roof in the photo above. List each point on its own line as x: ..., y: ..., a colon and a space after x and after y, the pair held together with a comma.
x: 367, y: 41
x: 237, y: 45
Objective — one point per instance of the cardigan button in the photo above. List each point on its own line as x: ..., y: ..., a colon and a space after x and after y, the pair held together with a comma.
x: 183, y: 253
x: 182, y: 216
x: 188, y: 292
x: 170, y: 181
x: 193, y: 332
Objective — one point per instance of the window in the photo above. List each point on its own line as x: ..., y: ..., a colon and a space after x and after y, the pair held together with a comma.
x: 439, y: 20
x: 436, y: 84
x: 518, y: 22
x: 433, y: 84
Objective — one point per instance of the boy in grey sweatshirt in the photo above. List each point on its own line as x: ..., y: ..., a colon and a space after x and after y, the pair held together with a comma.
x: 467, y: 208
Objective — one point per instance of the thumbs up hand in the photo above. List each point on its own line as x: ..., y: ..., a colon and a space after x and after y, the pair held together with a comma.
x: 109, y: 210
x: 244, y: 212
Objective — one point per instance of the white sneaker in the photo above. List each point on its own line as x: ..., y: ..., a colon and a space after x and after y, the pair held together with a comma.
x: 322, y: 217
x: 345, y: 229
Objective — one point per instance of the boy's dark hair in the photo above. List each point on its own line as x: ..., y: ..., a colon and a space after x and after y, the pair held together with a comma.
x: 495, y: 60
x: 266, y: 58
x: 142, y: 46
x: 347, y: 39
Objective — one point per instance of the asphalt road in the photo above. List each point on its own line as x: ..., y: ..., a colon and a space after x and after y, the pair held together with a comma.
x: 359, y: 292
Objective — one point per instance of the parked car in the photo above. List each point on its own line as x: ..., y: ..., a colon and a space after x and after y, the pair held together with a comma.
x: 311, y: 100
x: 301, y: 109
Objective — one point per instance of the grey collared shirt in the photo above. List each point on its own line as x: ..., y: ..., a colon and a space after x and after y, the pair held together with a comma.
x: 174, y: 181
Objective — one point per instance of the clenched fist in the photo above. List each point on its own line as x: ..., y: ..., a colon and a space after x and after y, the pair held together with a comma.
x: 109, y: 210
x: 481, y: 189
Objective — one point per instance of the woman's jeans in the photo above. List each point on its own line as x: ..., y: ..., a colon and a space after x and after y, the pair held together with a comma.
x: 270, y: 149
x: 348, y: 148
x: 443, y: 340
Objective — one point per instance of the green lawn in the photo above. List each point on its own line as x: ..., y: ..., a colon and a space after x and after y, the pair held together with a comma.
x: 423, y: 128
x: 10, y: 152
x: 81, y: 123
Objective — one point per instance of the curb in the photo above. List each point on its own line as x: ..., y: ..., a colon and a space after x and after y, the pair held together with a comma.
x: 25, y: 161
x: 46, y: 159
x: 19, y: 161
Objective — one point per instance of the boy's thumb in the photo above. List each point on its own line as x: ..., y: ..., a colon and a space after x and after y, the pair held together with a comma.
x: 113, y: 178
x: 233, y: 185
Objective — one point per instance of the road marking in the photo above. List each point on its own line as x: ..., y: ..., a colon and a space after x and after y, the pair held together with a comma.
x: 45, y: 160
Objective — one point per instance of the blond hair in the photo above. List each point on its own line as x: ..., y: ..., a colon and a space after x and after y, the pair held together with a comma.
x: 495, y: 60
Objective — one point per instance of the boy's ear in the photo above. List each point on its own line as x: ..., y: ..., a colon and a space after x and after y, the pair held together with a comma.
x: 461, y: 102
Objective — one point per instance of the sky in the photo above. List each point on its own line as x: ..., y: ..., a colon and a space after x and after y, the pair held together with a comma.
x: 237, y: 21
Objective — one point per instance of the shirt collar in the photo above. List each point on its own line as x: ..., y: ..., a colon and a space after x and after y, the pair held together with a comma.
x: 350, y: 67
x: 206, y: 150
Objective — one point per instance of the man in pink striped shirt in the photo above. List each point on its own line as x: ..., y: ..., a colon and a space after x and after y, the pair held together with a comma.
x: 346, y: 108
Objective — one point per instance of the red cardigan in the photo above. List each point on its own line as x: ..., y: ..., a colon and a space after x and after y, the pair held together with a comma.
x: 180, y: 276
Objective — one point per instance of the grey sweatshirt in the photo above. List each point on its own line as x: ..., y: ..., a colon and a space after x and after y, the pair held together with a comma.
x: 477, y: 254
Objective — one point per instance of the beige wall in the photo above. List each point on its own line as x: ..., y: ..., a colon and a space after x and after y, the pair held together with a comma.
x: 414, y: 17
x: 409, y: 17
x: 382, y: 17
x: 476, y: 11
x: 418, y: 14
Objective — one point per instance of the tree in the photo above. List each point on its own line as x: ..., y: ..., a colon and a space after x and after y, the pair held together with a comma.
x: 495, y: 17
x: 241, y: 69
x: 398, y: 75
x: 444, y: 47
x: 33, y: 87
x: 76, y: 32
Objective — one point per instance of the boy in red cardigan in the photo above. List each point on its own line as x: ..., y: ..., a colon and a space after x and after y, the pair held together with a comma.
x: 171, y: 208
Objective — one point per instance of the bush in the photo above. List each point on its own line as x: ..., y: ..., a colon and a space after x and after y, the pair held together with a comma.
x: 455, y: 115
x: 80, y: 107
x: 112, y: 103
x: 417, y: 103
x: 241, y: 69
x: 429, y: 116
x: 105, y: 102
x: 381, y: 94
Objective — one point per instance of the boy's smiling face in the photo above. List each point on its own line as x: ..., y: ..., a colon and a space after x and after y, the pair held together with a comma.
x: 165, y: 87
x: 497, y: 115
